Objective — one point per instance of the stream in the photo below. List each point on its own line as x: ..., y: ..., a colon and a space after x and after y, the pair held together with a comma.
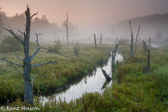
x: 94, y: 82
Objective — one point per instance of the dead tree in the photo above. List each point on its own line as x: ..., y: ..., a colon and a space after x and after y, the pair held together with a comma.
x: 106, y: 75
x: 145, y: 47
x: 133, y: 50
x: 67, y: 27
x: 137, y: 39
x: 132, y: 38
x: 95, y: 41
x: 148, y: 60
x: 76, y: 49
x: 27, y: 79
x: 100, y: 41
x: 149, y: 43
x: 113, y: 56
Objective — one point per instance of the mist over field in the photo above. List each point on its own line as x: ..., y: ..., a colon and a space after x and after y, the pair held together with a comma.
x: 109, y: 18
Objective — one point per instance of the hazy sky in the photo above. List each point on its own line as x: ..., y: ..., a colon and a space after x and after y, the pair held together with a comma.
x: 84, y: 13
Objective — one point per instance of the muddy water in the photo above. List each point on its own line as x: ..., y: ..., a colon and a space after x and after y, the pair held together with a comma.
x: 94, y: 82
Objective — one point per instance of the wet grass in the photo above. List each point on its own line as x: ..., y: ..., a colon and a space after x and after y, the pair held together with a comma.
x: 133, y: 89
x: 52, y: 76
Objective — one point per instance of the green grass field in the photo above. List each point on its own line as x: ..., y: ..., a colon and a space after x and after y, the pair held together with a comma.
x: 51, y: 76
x: 138, y: 91
x: 133, y: 89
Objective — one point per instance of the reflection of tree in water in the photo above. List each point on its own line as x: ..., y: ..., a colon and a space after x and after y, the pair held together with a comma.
x: 105, y: 84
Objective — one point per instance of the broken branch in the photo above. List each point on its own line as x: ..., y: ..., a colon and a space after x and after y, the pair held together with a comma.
x: 12, y: 33
x: 11, y: 62
x: 16, y: 55
x: 35, y: 53
x: 34, y: 15
x: 43, y: 64
x: 15, y: 68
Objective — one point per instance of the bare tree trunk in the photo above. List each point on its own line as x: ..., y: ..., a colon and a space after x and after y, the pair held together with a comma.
x: 95, y: 41
x: 148, y: 61
x: 76, y: 49
x: 149, y: 43
x: 132, y: 40
x: 100, y: 42
x: 113, y: 56
x: 67, y: 28
x: 28, y: 89
x: 145, y: 47
x: 28, y: 85
x: 137, y: 39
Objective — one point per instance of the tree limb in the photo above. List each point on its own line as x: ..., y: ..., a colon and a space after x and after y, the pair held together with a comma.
x: 11, y: 62
x: 16, y: 36
x: 35, y: 53
x: 55, y: 52
x: 16, y: 55
x: 34, y: 15
x: 21, y: 32
x: 42, y: 64
x: 16, y: 68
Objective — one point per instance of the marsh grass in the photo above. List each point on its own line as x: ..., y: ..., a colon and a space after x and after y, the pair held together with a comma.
x: 137, y: 91
x: 51, y: 76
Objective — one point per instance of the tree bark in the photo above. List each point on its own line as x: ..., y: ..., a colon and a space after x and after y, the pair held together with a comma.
x: 28, y: 89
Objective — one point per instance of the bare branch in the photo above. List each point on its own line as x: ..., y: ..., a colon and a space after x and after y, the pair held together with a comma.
x: 16, y: 36
x: 35, y: 53
x: 138, y: 32
x: 11, y: 62
x: 15, y: 68
x: 16, y: 55
x: 21, y: 32
x: 55, y: 52
x: 34, y: 15
x: 42, y: 64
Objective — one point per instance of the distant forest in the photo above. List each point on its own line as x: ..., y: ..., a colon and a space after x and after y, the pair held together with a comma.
x: 152, y: 26
x: 50, y: 31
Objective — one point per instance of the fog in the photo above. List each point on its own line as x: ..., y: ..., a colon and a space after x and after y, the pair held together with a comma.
x: 109, y: 17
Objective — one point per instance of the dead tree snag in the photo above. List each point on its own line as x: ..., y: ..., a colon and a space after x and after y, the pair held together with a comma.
x: 27, y: 79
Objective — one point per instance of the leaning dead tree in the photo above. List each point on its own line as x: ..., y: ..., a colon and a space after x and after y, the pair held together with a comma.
x: 95, y: 41
x: 27, y: 79
x: 106, y: 75
x: 133, y: 50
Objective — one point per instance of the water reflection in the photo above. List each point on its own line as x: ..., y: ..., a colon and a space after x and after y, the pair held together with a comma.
x: 95, y: 82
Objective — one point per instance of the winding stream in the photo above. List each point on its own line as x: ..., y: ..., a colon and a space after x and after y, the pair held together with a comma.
x: 94, y: 82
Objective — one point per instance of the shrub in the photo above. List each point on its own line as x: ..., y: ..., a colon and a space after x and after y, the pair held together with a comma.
x: 9, y: 42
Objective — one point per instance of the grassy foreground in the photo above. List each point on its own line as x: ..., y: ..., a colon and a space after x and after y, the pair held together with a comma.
x: 138, y: 91
x: 52, y: 76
